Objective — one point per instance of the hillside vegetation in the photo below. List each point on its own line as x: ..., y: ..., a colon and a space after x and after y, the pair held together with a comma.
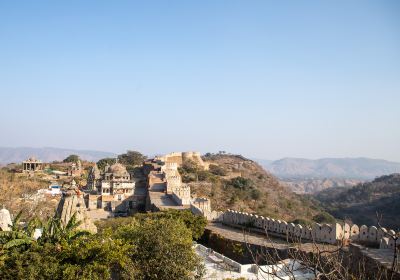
x: 13, y: 186
x: 360, y: 203
x: 148, y: 246
x: 314, y: 185
x: 235, y: 182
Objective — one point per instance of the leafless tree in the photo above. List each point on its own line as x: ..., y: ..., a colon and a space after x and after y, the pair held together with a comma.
x: 324, y: 261
x: 392, y: 235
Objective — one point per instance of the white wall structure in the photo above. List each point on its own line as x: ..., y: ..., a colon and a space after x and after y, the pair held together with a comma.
x: 324, y: 233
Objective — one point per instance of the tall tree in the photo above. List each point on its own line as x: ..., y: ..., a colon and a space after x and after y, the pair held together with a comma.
x: 71, y: 158
x: 132, y: 158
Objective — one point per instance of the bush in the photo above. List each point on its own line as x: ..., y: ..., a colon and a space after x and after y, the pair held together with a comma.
x: 165, y: 249
x: 217, y: 170
x: 189, y: 166
x: 72, y: 158
x: 132, y: 158
x: 240, y: 183
x: 255, y: 194
x: 324, y: 218
x: 147, y: 246
x: 101, y: 164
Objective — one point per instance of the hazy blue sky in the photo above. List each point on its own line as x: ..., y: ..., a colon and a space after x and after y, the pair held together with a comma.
x: 261, y: 78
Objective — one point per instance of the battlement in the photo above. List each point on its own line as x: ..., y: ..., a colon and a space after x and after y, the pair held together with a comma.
x: 181, y: 195
x: 325, y: 233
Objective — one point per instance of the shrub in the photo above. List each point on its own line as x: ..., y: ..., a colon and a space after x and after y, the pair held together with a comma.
x: 217, y: 170
x: 324, y: 218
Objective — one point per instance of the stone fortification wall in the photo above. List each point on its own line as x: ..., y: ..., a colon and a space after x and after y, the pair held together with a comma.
x: 175, y: 157
x: 194, y: 156
x: 173, y: 182
x: 180, y: 157
x: 325, y: 233
x: 181, y: 195
x: 202, y: 206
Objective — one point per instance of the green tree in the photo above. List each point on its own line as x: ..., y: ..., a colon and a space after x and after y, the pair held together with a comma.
x: 71, y: 158
x: 196, y: 224
x: 55, y: 232
x: 189, y: 166
x: 147, y: 246
x: 88, y: 257
x: 18, y: 235
x: 217, y: 170
x: 240, y: 183
x: 165, y: 249
x: 104, y: 161
x: 324, y: 218
x: 131, y: 158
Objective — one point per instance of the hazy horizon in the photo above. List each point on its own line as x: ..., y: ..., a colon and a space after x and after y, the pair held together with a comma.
x: 202, y: 152
x: 262, y: 79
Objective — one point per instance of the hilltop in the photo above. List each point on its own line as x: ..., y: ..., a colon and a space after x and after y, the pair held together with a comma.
x: 349, y: 168
x: 235, y: 182
x: 360, y: 203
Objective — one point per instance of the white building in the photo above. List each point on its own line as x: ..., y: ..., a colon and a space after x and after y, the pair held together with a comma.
x: 111, y: 190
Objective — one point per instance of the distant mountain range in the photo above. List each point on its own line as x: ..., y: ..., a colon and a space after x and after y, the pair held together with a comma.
x: 310, y: 186
x: 47, y: 154
x: 348, y: 168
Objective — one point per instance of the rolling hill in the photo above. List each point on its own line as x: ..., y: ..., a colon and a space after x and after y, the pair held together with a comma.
x: 311, y: 185
x: 241, y: 184
x: 362, y: 202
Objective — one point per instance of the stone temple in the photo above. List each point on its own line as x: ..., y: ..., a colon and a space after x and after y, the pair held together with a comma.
x: 32, y: 164
x: 112, y: 190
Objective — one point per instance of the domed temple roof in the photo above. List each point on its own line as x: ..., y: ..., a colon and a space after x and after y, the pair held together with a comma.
x: 118, y: 170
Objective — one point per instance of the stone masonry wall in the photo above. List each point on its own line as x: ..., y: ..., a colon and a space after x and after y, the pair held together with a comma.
x: 325, y: 233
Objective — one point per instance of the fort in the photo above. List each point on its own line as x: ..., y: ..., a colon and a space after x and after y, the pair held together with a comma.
x: 180, y: 157
x: 114, y: 191
x: 321, y: 233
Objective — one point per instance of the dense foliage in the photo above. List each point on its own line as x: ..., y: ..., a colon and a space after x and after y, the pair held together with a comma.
x: 101, y: 164
x: 131, y: 158
x: 149, y: 246
x: 324, y: 218
x: 71, y: 158
x: 195, y: 224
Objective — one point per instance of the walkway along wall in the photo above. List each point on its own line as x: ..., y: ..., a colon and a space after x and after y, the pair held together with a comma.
x: 325, y: 233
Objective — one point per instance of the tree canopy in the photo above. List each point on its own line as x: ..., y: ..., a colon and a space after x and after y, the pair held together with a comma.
x: 104, y: 161
x: 71, y: 158
x: 131, y: 158
x: 146, y: 246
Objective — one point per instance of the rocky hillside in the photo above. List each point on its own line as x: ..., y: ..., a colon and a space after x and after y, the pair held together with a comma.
x: 310, y: 186
x: 235, y: 182
x: 17, y: 192
x: 16, y: 155
x: 354, y: 168
x: 360, y: 203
